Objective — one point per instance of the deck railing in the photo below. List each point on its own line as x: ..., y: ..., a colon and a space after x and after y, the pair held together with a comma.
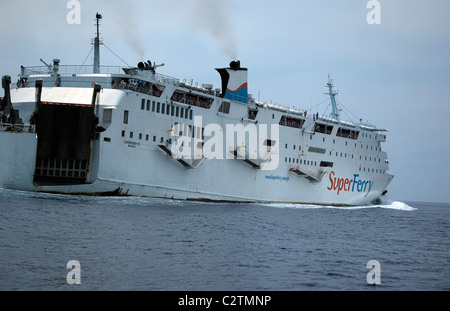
x: 17, y: 128
x: 70, y: 69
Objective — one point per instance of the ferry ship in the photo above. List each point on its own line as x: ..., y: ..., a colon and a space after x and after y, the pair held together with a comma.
x: 105, y: 130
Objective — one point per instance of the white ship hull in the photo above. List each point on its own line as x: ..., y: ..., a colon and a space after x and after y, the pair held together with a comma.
x: 167, y: 179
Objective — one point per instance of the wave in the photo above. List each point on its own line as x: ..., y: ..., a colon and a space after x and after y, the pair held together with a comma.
x: 396, y: 205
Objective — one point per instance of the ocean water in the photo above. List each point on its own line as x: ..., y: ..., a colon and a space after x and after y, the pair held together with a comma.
x: 134, y: 244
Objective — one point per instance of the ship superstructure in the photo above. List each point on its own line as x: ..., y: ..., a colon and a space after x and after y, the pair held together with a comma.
x: 130, y: 130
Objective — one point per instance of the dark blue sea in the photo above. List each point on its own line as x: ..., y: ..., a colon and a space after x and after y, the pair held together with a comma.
x: 145, y: 244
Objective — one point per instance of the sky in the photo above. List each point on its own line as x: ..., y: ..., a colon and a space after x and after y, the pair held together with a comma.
x: 394, y: 74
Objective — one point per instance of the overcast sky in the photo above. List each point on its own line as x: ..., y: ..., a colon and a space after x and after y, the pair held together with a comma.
x: 394, y: 74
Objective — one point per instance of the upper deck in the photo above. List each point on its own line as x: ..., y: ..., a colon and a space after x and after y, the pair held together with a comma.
x: 83, y: 76
x: 147, y: 81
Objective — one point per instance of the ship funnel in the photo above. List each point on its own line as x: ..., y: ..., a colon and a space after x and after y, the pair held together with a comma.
x: 234, y: 82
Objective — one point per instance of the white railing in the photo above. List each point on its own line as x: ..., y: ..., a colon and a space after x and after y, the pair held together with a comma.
x: 17, y: 128
x: 88, y: 69
x: 71, y: 69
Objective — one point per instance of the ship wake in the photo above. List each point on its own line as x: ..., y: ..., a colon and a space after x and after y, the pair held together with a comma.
x: 393, y: 205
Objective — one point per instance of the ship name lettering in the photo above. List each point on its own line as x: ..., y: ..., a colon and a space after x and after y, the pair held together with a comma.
x: 349, y: 185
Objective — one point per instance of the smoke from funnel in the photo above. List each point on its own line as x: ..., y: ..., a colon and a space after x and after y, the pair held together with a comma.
x: 124, y: 15
x: 211, y: 17
x: 130, y: 35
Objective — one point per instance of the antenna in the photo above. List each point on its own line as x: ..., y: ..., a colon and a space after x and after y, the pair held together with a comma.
x: 332, y: 93
x: 98, y: 17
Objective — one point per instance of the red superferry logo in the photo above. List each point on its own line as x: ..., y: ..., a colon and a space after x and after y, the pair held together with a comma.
x: 350, y: 185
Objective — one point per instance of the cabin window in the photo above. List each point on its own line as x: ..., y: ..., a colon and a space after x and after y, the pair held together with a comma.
x: 347, y: 133
x: 190, y: 114
x: 192, y: 99
x: 148, y: 105
x: 224, y: 107
x: 291, y: 122
x: 177, y: 111
x: 143, y: 104
x: 131, y: 134
x: 326, y: 164
x: 125, y: 117
x: 163, y: 108
x: 323, y: 128
x: 123, y: 133
x: 107, y: 115
x: 252, y: 113
x: 158, y: 104
x: 140, y: 135
x: 146, y: 137
x: 181, y: 112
